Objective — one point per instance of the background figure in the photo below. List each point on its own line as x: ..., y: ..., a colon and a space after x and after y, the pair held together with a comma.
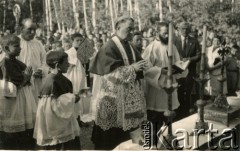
x: 232, y: 66
x: 137, y: 41
x: 188, y: 49
x: 213, y: 63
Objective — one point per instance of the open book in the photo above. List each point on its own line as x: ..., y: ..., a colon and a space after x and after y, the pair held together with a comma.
x: 180, y: 66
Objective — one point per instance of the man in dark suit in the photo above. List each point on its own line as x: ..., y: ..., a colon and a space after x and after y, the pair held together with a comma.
x: 189, y: 49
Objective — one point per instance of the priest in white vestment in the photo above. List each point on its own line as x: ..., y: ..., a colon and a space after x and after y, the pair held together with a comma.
x: 156, y: 77
x: 33, y: 54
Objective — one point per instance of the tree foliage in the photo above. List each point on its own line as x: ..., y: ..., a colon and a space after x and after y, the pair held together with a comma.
x: 223, y: 17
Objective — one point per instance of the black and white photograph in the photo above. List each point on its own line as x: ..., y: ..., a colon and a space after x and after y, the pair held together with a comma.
x: 120, y: 75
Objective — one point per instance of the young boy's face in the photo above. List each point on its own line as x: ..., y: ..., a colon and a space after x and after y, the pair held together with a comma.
x: 14, y: 49
x: 77, y: 41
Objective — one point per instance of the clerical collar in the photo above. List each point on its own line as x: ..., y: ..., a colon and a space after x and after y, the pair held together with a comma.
x: 122, y: 40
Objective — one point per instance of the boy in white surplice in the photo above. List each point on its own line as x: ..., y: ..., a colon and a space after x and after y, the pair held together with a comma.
x: 76, y: 72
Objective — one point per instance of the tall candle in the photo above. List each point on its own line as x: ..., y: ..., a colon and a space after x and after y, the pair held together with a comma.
x: 170, y: 49
x: 202, y: 65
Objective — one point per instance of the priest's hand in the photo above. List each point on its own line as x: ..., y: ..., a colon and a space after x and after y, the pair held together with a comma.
x: 28, y: 72
x: 27, y: 76
x: 38, y: 73
x: 138, y: 66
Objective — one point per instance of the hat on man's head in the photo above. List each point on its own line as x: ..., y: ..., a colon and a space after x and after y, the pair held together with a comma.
x: 184, y: 25
x: 122, y: 18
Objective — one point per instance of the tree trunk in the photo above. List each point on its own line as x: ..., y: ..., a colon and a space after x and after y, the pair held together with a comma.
x: 121, y: 1
x: 111, y: 12
x: 130, y: 8
x: 233, y: 2
x: 61, y: 7
x: 50, y: 15
x: 170, y: 6
x: 76, y: 15
x: 56, y: 14
x: 115, y: 8
x: 31, y: 10
x: 138, y: 15
x: 160, y: 11
x: 106, y: 6
x: 85, y: 15
x: 4, y: 14
x: 94, y: 13
x: 47, y: 15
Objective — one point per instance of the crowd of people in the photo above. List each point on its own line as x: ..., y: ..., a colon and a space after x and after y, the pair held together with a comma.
x: 42, y: 78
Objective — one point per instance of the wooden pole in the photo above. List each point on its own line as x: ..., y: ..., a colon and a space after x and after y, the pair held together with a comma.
x: 170, y: 48
x: 85, y: 15
x: 160, y: 11
x: 56, y: 14
x: 111, y: 13
x: 202, y: 65
x: 94, y: 13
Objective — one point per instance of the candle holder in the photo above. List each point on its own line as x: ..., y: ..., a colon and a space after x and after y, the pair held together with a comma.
x: 201, y: 124
x: 220, y: 110
x: 167, y: 143
x: 169, y: 88
x: 202, y: 80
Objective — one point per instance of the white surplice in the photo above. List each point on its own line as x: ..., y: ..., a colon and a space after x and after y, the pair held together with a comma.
x: 56, y: 122
x: 156, y: 56
x: 76, y: 74
x: 33, y: 54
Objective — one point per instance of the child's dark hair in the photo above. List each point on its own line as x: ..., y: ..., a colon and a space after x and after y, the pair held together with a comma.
x: 75, y: 35
x: 55, y: 57
x: 8, y: 40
